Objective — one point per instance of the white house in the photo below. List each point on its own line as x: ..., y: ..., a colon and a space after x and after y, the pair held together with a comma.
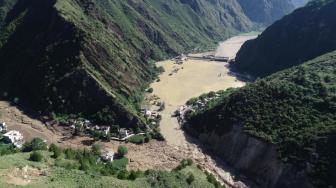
x: 124, y: 133
x: 106, y: 130
x: 108, y: 156
x: 3, y: 127
x: 14, y: 137
x: 148, y: 113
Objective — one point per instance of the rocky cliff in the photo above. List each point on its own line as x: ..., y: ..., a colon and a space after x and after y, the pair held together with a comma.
x: 255, y: 158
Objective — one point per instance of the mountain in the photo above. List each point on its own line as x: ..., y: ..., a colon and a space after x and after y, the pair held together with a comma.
x: 95, y: 57
x: 280, y: 130
x: 265, y: 12
x: 306, y: 33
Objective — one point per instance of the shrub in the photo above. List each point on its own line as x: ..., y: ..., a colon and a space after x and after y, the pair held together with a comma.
x: 184, y: 163
x: 157, y: 135
x: 133, y: 175
x: 150, y: 90
x: 38, y: 144
x: 137, y: 139
x: 84, y: 164
x: 57, y: 152
x: 36, y: 156
x: 147, y: 139
x: 34, y: 145
x: 96, y: 149
x: 70, y: 153
x: 6, y: 149
x: 189, y: 162
x: 190, y: 179
x: 123, y: 174
x: 52, y: 147
x: 120, y: 164
x: 122, y: 150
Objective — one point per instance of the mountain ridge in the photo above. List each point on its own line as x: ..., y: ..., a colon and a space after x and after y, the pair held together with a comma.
x: 303, y: 35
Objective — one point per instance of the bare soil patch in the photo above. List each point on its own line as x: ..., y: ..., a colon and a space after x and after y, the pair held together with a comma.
x: 21, y: 175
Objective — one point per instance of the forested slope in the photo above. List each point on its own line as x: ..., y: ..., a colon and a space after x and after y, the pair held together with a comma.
x: 295, y: 110
x: 303, y: 35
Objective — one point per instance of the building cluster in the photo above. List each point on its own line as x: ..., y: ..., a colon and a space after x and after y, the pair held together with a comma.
x: 88, y: 126
x: 180, y: 59
x: 197, y: 105
x: 153, y: 116
x: 107, y: 156
x: 12, y: 137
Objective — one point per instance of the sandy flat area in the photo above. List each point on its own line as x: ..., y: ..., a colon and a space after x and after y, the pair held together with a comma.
x: 194, y: 78
x: 230, y: 47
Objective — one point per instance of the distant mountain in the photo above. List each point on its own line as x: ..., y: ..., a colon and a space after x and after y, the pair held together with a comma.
x: 300, y: 3
x: 280, y: 130
x: 95, y: 57
x: 304, y: 34
x: 265, y: 12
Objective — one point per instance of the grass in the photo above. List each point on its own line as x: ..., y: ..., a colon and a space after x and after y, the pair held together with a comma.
x: 137, y: 139
x: 63, y: 177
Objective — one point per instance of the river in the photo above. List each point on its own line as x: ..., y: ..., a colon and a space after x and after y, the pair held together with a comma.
x: 194, y: 77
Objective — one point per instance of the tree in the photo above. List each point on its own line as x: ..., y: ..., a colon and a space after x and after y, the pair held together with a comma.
x: 36, y: 156
x: 122, y: 150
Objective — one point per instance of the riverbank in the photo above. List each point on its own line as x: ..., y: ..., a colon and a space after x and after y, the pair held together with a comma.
x: 193, y: 78
x: 180, y: 82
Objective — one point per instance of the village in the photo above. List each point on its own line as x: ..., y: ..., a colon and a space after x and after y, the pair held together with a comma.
x: 86, y: 128
x: 196, y: 104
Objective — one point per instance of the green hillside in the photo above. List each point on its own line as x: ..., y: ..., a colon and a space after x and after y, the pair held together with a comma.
x: 303, y: 35
x: 294, y: 109
x: 95, y: 57
x: 81, y: 168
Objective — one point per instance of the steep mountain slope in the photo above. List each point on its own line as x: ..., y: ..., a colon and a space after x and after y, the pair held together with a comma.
x: 306, y: 33
x: 95, y: 56
x: 293, y: 116
x: 5, y: 6
x: 266, y: 11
